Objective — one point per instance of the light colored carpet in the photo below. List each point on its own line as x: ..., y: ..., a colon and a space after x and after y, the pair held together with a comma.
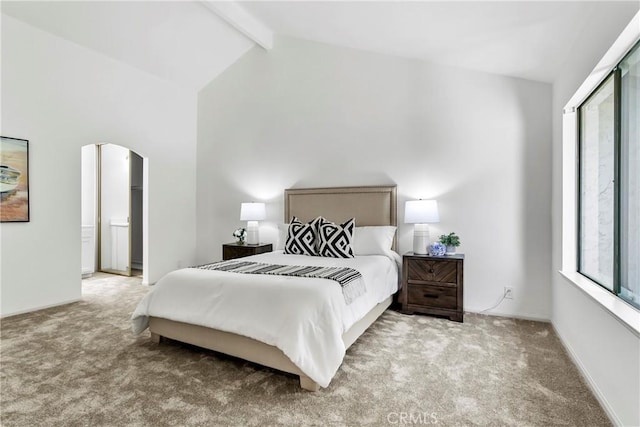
x: 80, y: 365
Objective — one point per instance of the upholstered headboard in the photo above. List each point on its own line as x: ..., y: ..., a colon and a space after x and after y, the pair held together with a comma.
x: 368, y: 205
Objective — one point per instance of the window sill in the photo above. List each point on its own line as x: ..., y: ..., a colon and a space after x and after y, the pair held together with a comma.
x: 623, y: 312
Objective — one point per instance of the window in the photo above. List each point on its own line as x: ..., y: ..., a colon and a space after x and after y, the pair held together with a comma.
x: 609, y: 181
x: 630, y: 177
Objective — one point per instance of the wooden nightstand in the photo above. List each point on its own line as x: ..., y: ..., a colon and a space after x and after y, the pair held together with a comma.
x: 235, y: 250
x: 433, y: 285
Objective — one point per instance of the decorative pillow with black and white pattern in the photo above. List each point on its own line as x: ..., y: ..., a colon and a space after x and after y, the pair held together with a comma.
x: 336, y: 241
x: 301, y: 238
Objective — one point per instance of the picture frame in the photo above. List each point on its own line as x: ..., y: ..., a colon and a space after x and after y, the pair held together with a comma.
x: 14, y: 179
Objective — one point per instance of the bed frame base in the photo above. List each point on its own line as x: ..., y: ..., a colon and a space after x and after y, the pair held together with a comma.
x: 248, y: 348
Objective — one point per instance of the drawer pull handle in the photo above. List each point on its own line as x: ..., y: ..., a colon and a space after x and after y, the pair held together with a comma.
x: 431, y: 271
x: 430, y: 296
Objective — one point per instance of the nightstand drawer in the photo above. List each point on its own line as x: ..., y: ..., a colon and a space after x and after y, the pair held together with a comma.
x: 433, y: 271
x: 234, y: 250
x: 432, y: 296
x: 433, y: 285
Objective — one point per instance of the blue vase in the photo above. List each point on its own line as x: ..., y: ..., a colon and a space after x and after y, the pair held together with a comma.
x: 437, y: 249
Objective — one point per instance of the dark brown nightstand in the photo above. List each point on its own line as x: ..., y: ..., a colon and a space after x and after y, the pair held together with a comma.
x: 235, y: 250
x: 433, y: 285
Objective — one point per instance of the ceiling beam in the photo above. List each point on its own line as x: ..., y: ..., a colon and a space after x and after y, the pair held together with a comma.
x: 242, y: 21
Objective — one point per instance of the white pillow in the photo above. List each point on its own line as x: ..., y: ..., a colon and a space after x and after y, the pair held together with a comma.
x: 282, y: 236
x: 374, y: 240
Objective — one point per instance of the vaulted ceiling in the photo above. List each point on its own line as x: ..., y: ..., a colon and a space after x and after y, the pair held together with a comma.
x: 527, y: 39
x: 183, y: 42
x: 186, y: 42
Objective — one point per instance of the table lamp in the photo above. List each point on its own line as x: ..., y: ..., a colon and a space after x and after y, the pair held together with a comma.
x: 421, y: 213
x: 252, y: 213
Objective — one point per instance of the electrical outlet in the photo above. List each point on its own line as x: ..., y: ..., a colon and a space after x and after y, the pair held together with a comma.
x: 508, y: 292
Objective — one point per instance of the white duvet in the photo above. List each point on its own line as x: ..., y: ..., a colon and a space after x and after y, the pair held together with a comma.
x: 303, y: 317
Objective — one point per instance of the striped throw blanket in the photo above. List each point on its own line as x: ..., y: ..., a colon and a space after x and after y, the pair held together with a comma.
x: 346, y: 277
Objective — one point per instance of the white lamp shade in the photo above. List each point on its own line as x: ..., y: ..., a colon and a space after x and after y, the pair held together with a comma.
x: 252, y: 212
x: 421, y: 212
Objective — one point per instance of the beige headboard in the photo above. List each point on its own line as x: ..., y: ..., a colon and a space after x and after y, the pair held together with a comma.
x: 368, y: 205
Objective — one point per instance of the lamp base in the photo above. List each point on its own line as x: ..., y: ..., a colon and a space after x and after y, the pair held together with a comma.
x: 253, y: 233
x: 420, y: 239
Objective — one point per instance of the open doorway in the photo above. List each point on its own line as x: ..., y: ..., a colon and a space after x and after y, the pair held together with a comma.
x: 113, y: 210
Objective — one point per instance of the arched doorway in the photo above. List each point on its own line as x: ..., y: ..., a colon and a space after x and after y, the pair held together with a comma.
x: 113, y: 210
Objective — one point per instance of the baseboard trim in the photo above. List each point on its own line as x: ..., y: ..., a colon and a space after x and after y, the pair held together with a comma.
x: 588, y: 379
x: 512, y: 316
x: 42, y: 307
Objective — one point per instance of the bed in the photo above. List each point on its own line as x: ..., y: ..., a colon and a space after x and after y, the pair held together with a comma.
x: 283, y: 349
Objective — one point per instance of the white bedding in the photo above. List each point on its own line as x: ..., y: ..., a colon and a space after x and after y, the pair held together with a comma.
x: 303, y: 317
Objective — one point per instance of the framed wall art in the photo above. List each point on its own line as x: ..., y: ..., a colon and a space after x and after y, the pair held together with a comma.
x: 14, y: 180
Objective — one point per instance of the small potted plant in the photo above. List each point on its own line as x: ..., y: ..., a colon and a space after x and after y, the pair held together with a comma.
x: 451, y: 241
x: 241, y: 235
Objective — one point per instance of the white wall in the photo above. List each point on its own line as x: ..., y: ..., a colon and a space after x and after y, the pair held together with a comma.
x: 607, y: 352
x: 308, y: 114
x: 61, y: 96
